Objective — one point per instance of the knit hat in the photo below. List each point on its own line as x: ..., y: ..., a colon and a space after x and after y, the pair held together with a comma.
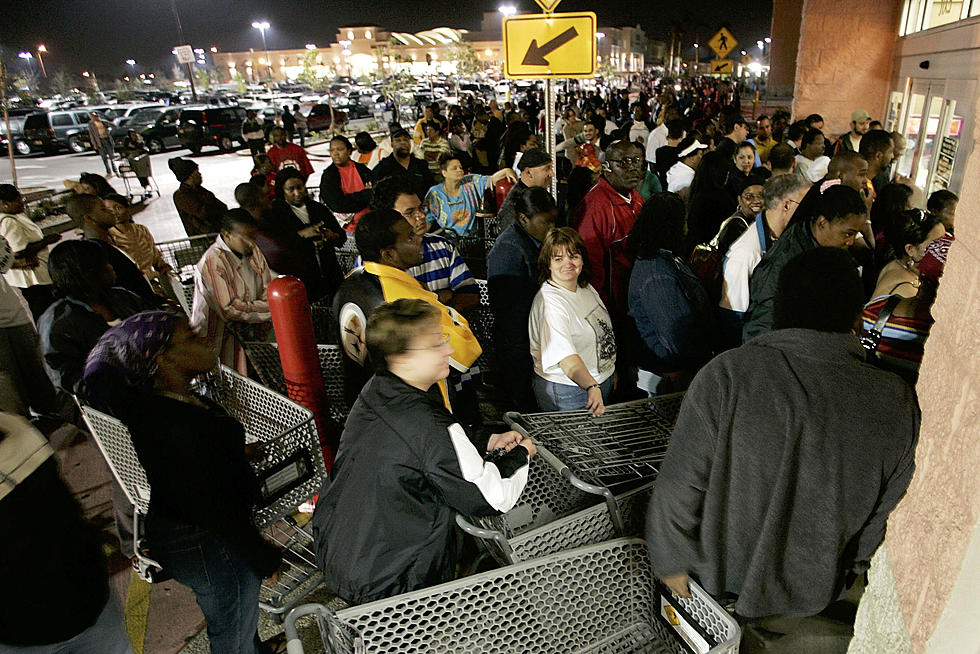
x: 182, y: 168
x: 532, y: 158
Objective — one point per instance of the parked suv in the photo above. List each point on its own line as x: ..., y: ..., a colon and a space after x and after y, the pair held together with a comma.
x: 219, y: 126
x: 17, y: 129
x: 157, y: 126
x: 54, y: 130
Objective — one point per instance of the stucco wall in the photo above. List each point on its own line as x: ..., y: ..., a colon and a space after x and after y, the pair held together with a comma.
x: 931, y: 531
x: 786, y: 18
x: 844, y: 59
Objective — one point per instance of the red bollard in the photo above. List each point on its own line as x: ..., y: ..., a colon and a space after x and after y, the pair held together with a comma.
x: 293, y: 323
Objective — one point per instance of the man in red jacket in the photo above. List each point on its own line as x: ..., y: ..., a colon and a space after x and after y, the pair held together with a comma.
x: 288, y: 155
x: 604, y: 219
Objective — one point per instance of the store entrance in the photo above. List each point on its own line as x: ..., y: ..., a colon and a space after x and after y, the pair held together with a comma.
x: 932, y: 129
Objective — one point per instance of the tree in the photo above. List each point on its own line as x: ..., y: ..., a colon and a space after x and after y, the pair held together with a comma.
x: 311, y: 74
x: 62, y: 82
x: 467, y: 63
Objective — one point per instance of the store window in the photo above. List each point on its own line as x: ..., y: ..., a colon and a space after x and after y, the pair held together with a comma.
x: 918, y: 15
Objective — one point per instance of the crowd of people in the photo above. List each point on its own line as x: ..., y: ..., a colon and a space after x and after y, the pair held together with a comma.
x: 782, y: 276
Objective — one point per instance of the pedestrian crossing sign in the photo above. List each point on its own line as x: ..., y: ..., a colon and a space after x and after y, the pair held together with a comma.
x: 722, y: 43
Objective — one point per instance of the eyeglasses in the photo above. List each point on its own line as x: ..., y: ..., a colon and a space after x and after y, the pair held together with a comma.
x: 409, y: 214
x: 628, y: 161
x: 749, y: 197
x: 438, y: 346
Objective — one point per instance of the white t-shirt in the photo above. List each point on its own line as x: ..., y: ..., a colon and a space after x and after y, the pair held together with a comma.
x: 740, y: 261
x: 20, y: 231
x: 563, y: 323
x: 679, y: 177
x: 657, y: 139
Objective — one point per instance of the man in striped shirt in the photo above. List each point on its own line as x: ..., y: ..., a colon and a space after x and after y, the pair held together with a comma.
x: 442, y: 271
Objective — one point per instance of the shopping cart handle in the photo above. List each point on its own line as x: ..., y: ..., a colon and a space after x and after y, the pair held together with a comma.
x: 293, y: 643
x: 554, y: 461
x: 484, y: 534
x: 511, y: 418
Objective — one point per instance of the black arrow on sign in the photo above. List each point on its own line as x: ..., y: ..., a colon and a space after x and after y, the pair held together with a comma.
x: 720, y: 67
x: 535, y: 55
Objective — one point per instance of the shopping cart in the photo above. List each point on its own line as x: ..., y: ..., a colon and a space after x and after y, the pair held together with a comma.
x: 347, y: 254
x: 264, y: 357
x: 290, y: 471
x: 600, y: 598
x: 182, y: 255
x: 622, y: 448
x: 481, y: 322
x: 553, y: 515
x: 134, y: 168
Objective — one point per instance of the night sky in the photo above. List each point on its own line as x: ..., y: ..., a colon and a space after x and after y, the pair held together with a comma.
x: 101, y: 35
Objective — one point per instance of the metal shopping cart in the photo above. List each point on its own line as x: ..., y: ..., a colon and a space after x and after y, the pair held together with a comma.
x: 347, y: 254
x: 182, y: 255
x: 553, y: 515
x: 481, y: 322
x: 265, y: 358
x: 611, y: 454
x: 290, y: 471
x: 600, y: 598
x: 137, y: 166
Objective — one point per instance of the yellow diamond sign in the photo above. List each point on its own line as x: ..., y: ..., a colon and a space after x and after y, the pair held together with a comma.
x: 722, y: 43
x: 548, y: 6
x: 537, y: 46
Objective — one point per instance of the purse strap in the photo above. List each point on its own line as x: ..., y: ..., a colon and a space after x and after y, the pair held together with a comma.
x: 872, y: 338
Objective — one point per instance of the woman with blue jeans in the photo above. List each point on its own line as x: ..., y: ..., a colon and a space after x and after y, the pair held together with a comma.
x: 199, y: 522
x: 571, y: 334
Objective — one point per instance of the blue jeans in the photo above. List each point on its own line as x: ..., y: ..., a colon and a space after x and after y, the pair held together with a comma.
x: 106, y: 636
x: 552, y: 396
x: 225, y: 587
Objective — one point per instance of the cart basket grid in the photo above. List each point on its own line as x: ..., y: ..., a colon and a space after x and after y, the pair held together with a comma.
x: 599, y: 598
x: 623, y: 446
x: 265, y: 358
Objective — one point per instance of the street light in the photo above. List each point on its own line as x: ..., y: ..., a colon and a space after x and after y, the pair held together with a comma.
x: 760, y: 44
x: 262, y: 26
x: 41, y: 49
x: 507, y: 10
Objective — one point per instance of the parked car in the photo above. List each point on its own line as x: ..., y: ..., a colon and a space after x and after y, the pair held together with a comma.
x: 17, y: 119
x: 318, y: 119
x: 122, y: 113
x: 218, y: 126
x: 52, y: 131
x: 157, y: 126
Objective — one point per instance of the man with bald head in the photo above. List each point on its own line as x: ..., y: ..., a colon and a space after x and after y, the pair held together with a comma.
x: 605, y: 217
x: 847, y: 168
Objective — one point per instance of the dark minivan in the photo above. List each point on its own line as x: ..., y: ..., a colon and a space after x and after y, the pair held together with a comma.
x: 218, y: 126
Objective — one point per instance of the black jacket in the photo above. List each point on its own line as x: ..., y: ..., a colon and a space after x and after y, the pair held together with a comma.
x: 195, y: 462
x: 385, y: 520
x: 70, y: 328
x: 332, y: 195
x: 417, y: 173
x: 54, y: 572
x: 128, y: 274
x: 512, y: 281
x: 762, y: 287
x: 288, y: 253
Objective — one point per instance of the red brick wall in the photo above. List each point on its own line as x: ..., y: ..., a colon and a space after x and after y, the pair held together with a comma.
x: 844, y: 59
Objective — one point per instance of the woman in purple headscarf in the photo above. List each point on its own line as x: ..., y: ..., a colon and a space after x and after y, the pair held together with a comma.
x: 199, y: 522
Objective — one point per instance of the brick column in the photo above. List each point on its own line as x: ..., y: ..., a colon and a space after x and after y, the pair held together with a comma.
x: 844, y: 58
x: 785, y: 31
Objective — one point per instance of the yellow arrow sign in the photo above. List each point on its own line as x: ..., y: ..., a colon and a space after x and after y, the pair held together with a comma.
x: 721, y: 66
x: 538, y: 46
x: 723, y: 42
x: 548, y: 6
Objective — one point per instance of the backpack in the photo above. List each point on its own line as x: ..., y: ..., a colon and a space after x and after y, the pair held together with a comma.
x: 706, y: 262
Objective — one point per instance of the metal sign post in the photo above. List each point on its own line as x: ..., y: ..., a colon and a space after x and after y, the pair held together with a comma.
x: 546, y: 46
x: 549, y: 132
